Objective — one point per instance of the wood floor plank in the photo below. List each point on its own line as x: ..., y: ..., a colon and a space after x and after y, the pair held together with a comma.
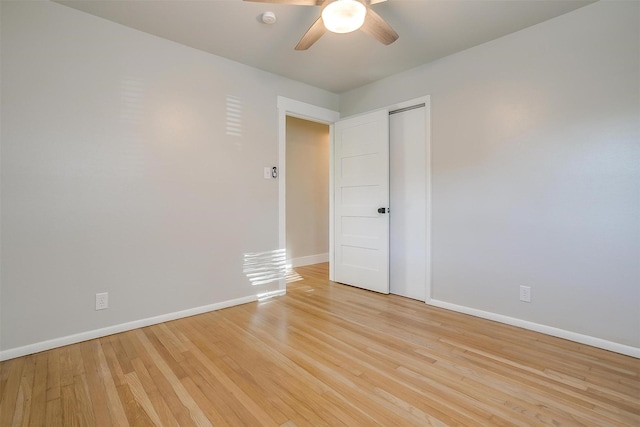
x: 141, y: 397
x: 136, y: 414
x: 66, y: 367
x: 39, y: 391
x: 13, y: 373
x: 83, y: 407
x: 133, y: 412
x: 195, y: 413
x: 207, y: 406
x: 68, y: 406
x: 25, y: 393
x: 222, y: 401
x: 116, y: 411
x: 95, y: 384
x: 154, y: 399
x: 323, y: 354
x: 53, y: 375
x: 53, y: 417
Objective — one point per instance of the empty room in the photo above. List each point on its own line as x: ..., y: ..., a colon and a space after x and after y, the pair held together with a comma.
x: 320, y: 212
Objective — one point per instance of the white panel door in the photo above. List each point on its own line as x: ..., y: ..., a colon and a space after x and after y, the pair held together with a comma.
x: 361, y: 180
x: 408, y: 172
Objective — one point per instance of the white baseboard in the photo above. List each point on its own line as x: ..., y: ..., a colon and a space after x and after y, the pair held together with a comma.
x: 549, y: 330
x: 308, y: 260
x: 97, y: 333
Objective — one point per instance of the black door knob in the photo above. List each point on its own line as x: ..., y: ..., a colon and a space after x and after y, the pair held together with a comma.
x: 382, y: 210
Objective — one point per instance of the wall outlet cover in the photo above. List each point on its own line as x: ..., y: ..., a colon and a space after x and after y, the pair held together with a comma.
x: 102, y: 301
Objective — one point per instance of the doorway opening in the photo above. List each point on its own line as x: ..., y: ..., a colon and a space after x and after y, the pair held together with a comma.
x: 307, y: 189
x: 296, y: 109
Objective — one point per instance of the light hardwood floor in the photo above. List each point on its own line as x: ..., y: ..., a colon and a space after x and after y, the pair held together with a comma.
x: 324, y: 354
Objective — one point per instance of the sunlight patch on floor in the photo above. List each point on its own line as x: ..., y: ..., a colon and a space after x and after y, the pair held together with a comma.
x: 292, y: 276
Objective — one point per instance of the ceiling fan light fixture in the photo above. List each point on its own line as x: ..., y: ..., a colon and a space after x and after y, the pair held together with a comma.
x: 344, y: 16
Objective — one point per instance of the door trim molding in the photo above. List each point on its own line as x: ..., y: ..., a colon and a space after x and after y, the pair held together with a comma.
x: 313, y: 113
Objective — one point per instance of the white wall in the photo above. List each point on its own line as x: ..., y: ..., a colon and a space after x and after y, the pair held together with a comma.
x: 307, y: 195
x: 122, y: 174
x: 536, y: 171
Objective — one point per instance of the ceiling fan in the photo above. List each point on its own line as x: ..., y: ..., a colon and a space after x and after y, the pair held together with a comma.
x: 342, y: 16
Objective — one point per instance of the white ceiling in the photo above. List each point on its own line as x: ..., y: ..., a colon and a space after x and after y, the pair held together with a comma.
x: 428, y: 29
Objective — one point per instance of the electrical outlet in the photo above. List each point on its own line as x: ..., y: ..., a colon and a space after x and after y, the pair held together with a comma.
x: 102, y: 301
x: 525, y: 293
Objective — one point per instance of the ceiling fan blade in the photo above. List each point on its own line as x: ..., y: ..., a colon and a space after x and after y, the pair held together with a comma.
x: 377, y: 28
x: 294, y: 2
x: 312, y: 35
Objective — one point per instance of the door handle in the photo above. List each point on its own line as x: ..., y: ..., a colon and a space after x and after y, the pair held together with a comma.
x: 383, y: 210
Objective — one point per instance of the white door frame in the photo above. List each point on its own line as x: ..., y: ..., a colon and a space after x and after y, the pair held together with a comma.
x: 301, y: 110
